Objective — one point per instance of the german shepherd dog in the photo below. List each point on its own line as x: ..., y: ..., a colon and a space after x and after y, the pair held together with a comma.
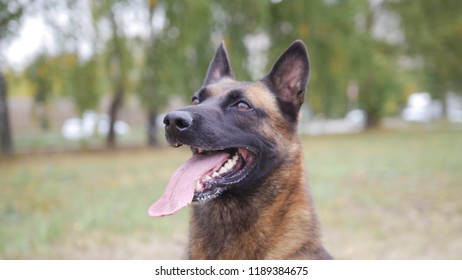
x: 245, y: 178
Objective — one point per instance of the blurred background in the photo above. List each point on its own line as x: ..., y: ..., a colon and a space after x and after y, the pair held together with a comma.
x: 84, y: 86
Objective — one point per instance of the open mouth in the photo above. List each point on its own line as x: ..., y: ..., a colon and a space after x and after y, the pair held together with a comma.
x: 206, y: 175
x: 223, y: 175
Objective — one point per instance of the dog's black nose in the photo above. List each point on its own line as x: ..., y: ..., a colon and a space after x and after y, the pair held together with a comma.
x: 178, y: 121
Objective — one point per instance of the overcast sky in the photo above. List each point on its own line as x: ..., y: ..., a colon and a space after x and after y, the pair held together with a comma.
x: 36, y: 36
x: 33, y: 35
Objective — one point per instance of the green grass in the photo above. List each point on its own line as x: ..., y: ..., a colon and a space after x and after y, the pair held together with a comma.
x: 389, y: 195
x: 64, y: 205
x: 381, y: 195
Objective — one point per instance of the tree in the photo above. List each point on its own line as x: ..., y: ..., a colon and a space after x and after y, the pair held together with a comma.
x: 236, y: 22
x: 85, y: 84
x: 432, y: 32
x: 78, y: 75
x: 175, y: 56
x: 343, y: 50
x: 118, y: 57
x: 327, y: 27
x: 10, y: 13
x: 5, y: 129
x: 151, y: 98
x: 39, y: 73
x: 374, y: 64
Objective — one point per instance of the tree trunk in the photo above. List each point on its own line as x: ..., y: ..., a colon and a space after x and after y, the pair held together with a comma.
x: 40, y: 104
x: 372, y: 120
x: 113, y: 112
x: 5, y: 130
x: 152, y: 129
x: 444, y: 105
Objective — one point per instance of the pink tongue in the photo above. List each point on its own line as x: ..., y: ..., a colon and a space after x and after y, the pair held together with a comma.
x: 180, y: 189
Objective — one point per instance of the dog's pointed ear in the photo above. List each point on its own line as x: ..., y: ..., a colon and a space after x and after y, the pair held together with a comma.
x: 288, y: 79
x: 219, y: 66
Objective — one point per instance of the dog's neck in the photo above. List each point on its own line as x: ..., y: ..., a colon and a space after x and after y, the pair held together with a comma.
x: 263, y: 225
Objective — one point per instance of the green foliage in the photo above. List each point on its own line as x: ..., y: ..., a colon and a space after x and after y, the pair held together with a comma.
x: 84, y: 85
x: 232, y: 22
x: 327, y: 30
x: 40, y: 75
x: 378, y: 84
x: 433, y: 30
x: 177, y: 57
x: 118, y: 59
x: 10, y: 13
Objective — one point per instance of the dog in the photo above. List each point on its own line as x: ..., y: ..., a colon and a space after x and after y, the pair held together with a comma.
x: 245, y: 179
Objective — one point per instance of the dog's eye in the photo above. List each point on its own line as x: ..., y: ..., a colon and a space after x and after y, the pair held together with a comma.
x: 195, y: 101
x: 242, y: 106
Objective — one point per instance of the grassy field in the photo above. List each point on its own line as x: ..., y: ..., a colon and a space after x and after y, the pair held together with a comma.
x: 381, y: 195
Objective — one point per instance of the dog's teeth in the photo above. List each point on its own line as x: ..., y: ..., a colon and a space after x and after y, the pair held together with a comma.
x: 229, y: 165
x: 198, y: 187
x: 235, y: 157
x: 222, y: 170
x: 231, y: 162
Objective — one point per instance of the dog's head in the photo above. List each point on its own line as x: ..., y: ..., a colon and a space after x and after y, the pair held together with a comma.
x: 239, y: 132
